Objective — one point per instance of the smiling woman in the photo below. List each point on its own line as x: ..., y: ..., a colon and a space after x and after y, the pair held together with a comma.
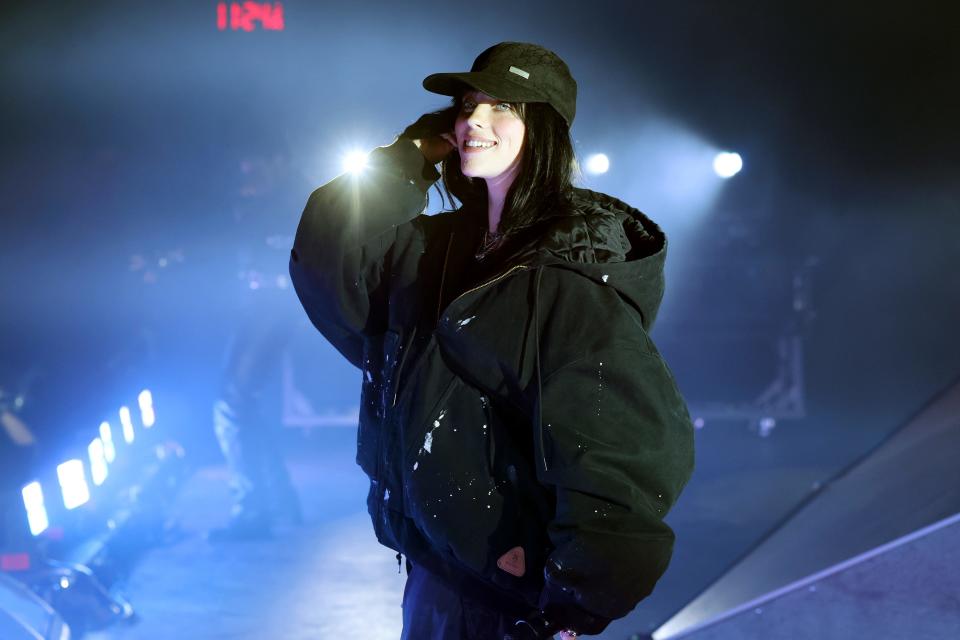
x: 523, y: 437
x: 530, y: 169
x: 490, y: 136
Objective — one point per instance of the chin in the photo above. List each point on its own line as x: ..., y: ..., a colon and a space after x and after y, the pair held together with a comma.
x: 480, y: 173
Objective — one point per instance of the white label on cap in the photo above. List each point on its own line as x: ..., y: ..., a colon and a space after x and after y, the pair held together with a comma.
x: 520, y: 72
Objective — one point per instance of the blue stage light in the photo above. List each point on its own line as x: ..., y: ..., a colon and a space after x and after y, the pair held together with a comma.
x: 98, y: 462
x: 147, y: 415
x: 127, y: 423
x: 73, y: 483
x: 727, y: 164
x: 109, y: 451
x: 36, y: 511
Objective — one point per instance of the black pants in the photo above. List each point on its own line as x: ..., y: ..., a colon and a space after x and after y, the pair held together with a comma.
x: 432, y: 610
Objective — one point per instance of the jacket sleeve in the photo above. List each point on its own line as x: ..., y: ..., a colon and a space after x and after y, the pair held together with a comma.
x: 618, y: 448
x: 339, y: 264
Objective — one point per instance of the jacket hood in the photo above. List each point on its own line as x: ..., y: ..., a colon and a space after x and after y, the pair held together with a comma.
x: 602, y: 238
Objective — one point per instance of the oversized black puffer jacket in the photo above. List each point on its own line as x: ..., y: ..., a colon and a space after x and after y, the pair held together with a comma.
x: 525, y: 433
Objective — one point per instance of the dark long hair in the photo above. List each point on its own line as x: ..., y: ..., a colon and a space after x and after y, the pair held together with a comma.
x: 548, y: 168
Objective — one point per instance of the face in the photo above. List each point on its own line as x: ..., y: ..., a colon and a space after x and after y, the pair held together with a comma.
x: 484, y: 118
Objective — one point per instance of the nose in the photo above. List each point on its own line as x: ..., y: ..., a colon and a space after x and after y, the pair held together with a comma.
x: 480, y: 116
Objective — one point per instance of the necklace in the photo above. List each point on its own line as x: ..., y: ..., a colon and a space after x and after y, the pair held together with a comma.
x: 490, y: 242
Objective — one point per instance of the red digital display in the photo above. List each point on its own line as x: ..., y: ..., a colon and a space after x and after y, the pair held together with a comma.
x: 246, y: 16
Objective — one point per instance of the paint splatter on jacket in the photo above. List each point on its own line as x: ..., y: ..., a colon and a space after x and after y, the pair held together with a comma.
x: 524, y: 433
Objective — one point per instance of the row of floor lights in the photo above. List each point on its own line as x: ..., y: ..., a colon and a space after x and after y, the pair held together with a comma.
x: 70, y: 474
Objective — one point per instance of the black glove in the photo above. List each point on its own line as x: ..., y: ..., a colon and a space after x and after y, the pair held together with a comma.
x: 430, y: 125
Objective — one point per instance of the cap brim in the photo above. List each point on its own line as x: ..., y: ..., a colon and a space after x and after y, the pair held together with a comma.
x: 451, y: 84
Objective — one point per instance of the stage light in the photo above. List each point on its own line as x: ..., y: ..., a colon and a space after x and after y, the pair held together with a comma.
x: 109, y: 451
x: 598, y: 163
x: 98, y: 462
x: 727, y: 164
x: 767, y: 425
x: 127, y: 425
x: 355, y: 162
x: 36, y: 511
x: 73, y: 484
x: 147, y: 416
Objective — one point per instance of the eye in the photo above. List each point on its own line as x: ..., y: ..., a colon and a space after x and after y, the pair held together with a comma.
x: 469, y: 105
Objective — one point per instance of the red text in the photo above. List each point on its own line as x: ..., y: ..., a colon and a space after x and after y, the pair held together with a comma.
x: 244, y: 16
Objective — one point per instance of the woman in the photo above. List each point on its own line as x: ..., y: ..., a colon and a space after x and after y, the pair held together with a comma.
x: 523, y: 436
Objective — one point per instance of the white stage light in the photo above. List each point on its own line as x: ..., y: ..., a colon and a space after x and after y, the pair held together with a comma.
x: 127, y: 425
x: 598, y: 163
x: 355, y: 162
x: 109, y: 451
x: 147, y: 415
x: 98, y: 462
x: 727, y: 164
x: 36, y: 511
x: 73, y: 484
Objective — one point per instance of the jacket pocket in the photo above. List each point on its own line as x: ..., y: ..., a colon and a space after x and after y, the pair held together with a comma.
x: 421, y: 433
x: 449, y: 487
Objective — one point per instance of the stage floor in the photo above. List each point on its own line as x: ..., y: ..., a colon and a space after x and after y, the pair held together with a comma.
x: 329, y: 578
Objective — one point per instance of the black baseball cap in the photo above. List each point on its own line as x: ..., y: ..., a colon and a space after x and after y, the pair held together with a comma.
x: 515, y: 72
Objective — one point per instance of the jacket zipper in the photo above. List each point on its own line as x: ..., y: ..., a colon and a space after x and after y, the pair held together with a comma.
x: 499, y: 277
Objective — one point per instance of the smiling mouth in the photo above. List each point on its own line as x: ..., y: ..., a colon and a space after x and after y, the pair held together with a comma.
x: 468, y: 149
